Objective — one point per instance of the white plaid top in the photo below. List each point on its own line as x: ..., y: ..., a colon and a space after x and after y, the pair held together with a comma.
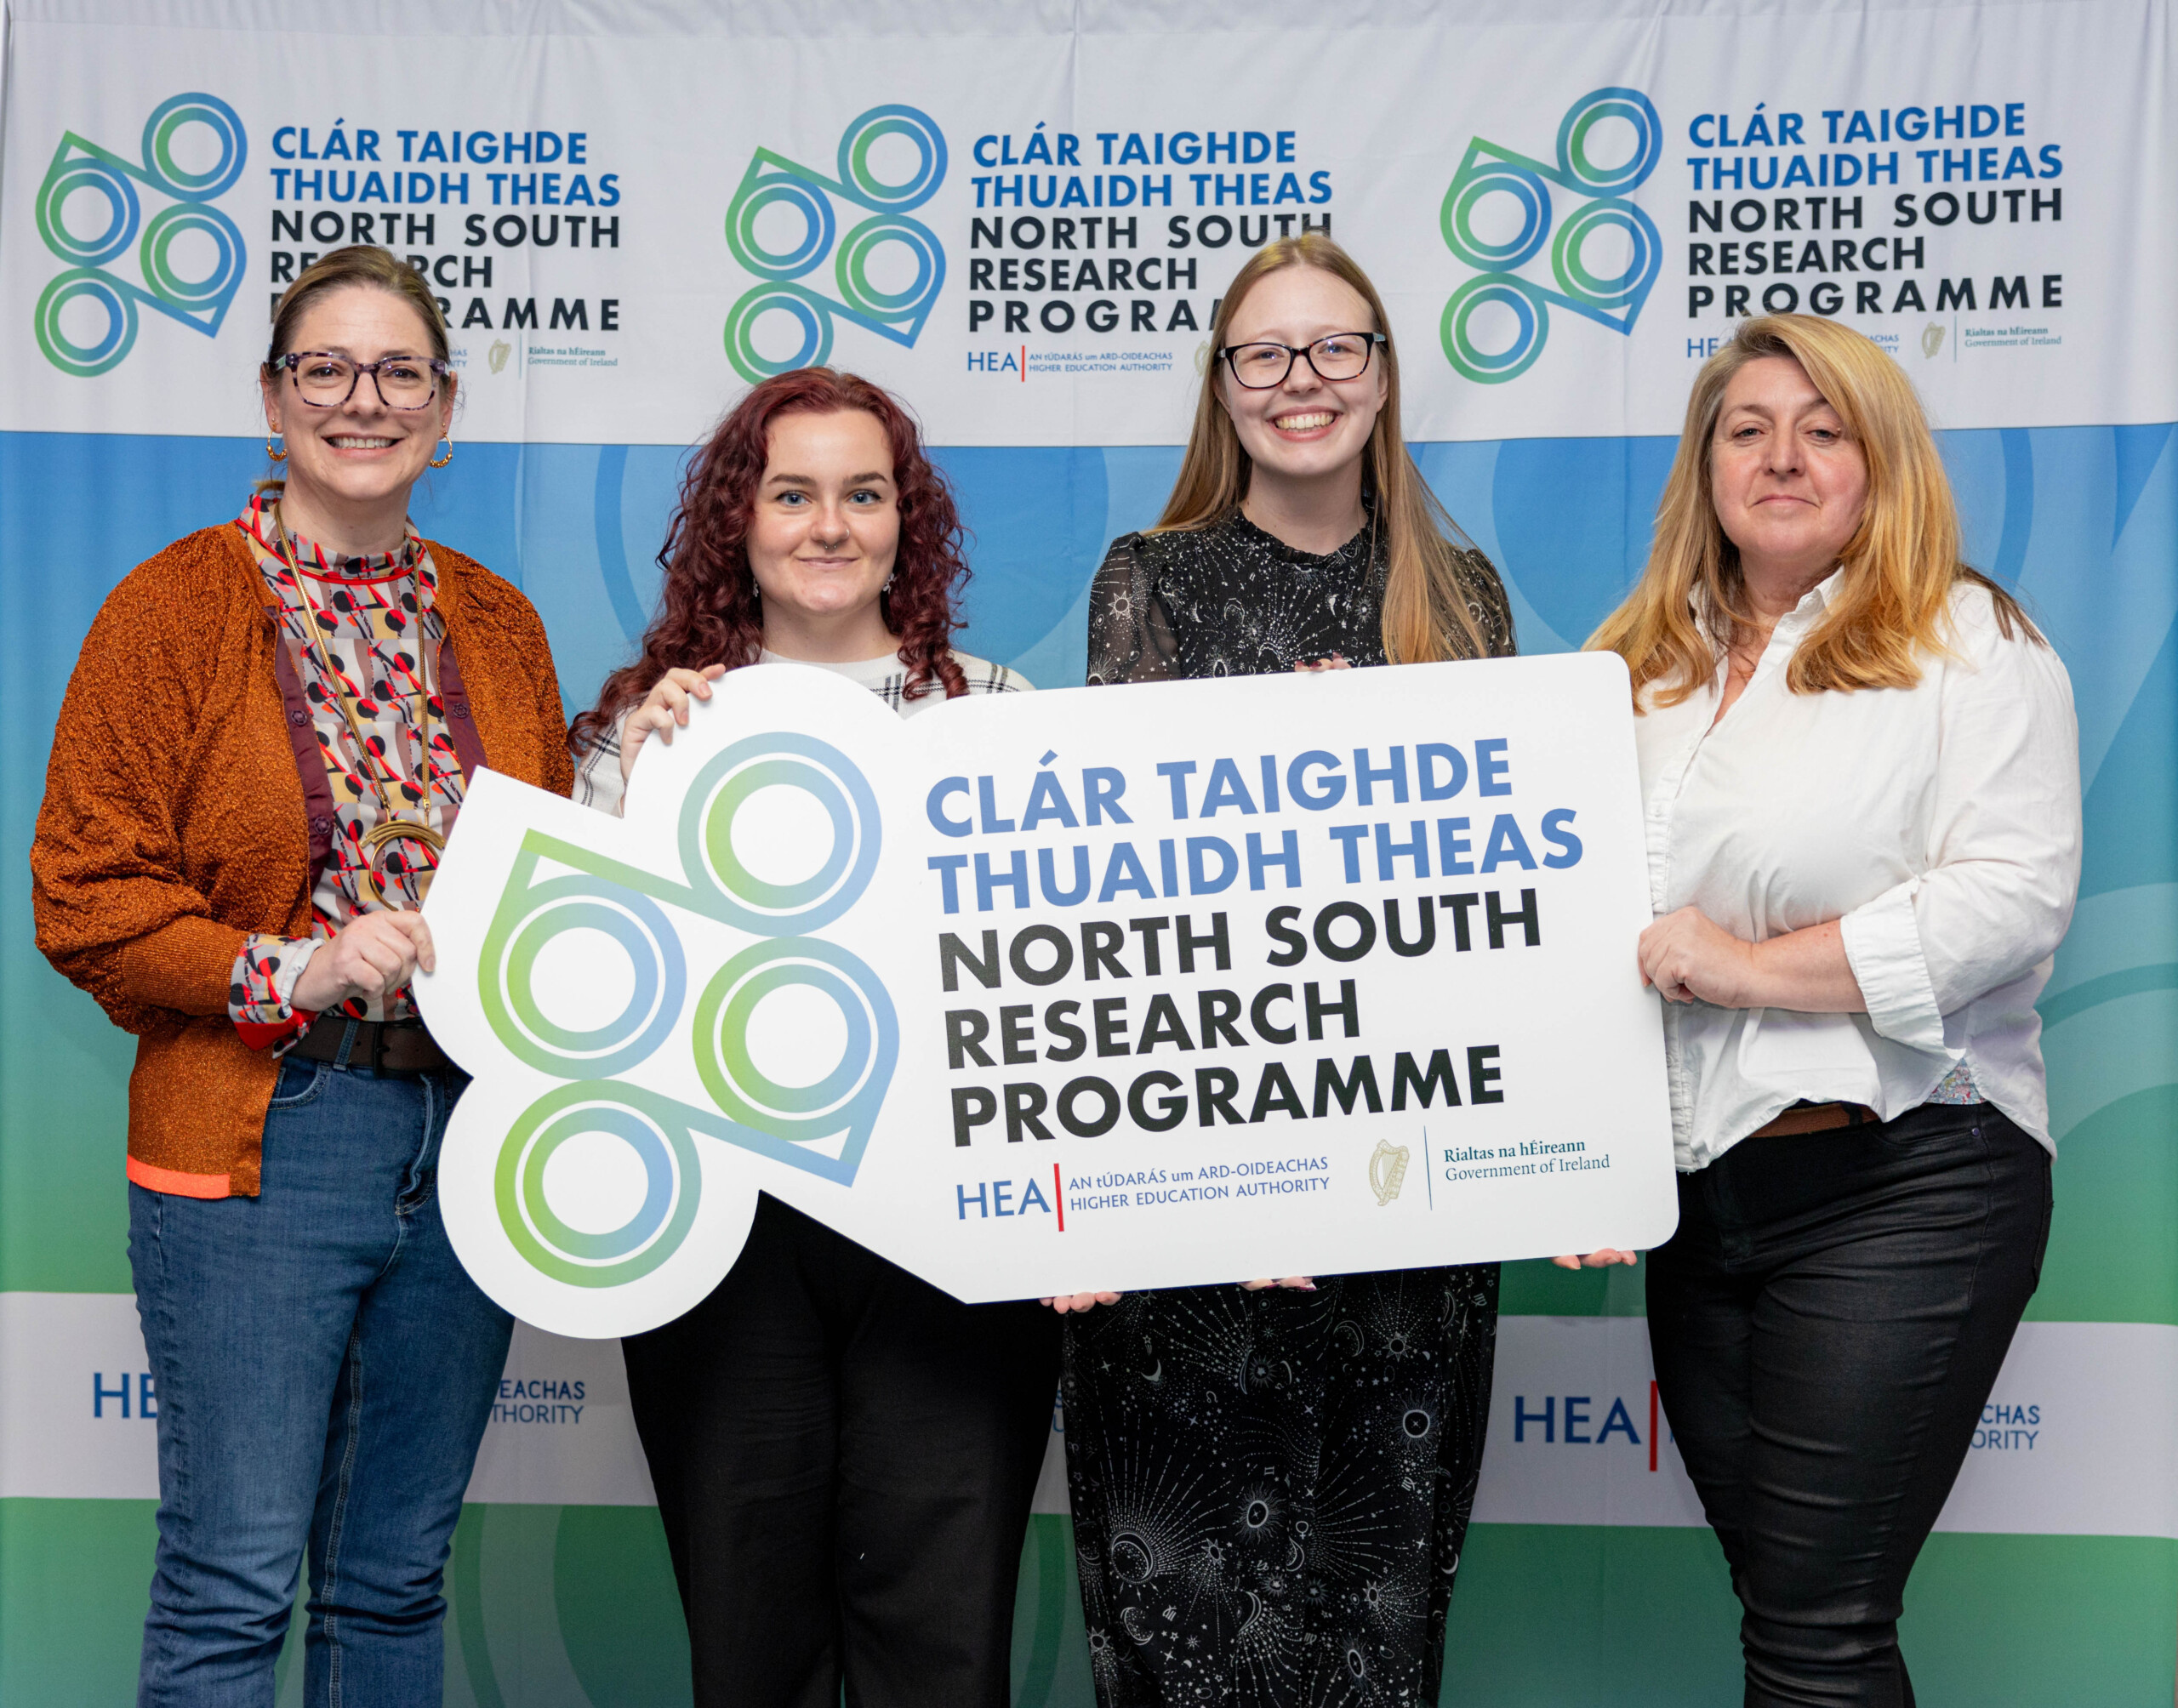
x: 597, y: 773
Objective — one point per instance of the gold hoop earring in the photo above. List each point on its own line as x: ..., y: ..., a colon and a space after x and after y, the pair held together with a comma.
x: 278, y: 456
x: 441, y: 461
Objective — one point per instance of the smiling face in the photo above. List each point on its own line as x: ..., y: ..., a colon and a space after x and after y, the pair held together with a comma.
x: 351, y: 466
x: 1308, y: 427
x: 1789, y: 483
x: 826, y: 529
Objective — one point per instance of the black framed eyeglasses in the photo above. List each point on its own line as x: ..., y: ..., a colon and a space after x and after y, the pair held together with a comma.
x: 1342, y: 355
x: 327, y: 380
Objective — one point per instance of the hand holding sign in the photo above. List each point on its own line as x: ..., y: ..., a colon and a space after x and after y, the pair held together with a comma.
x: 1079, y: 990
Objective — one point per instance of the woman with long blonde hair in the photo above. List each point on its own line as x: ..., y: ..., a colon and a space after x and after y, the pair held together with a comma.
x: 1270, y: 1484
x: 1860, y: 769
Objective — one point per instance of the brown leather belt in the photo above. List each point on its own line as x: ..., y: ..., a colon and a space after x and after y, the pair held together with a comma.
x: 1815, y: 1118
x: 395, y: 1047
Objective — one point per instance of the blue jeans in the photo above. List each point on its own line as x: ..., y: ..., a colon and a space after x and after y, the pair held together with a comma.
x: 324, y: 1367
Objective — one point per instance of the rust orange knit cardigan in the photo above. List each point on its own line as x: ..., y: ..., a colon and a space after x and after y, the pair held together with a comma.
x: 174, y: 824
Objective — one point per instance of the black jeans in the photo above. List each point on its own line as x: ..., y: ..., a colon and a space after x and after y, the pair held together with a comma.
x: 1828, y: 1322
x: 844, y: 1458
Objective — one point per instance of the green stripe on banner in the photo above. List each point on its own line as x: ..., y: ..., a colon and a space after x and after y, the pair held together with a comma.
x: 465, y: 1612
x: 1645, y: 1619
x: 635, y: 1636
x: 573, y: 1607
x: 1539, y: 1288
x: 564, y: 1606
x: 1048, y: 1638
x: 2042, y: 1622
x: 75, y: 1580
x: 2113, y: 1243
x: 1635, y: 1618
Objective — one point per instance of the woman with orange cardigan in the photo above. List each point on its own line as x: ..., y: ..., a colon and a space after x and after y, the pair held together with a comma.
x: 265, y: 741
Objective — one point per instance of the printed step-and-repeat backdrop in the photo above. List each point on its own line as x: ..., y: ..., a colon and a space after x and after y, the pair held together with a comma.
x: 1021, y: 220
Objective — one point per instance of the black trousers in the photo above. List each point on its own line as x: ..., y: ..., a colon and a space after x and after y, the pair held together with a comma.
x: 1828, y: 1322
x: 844, y: 1458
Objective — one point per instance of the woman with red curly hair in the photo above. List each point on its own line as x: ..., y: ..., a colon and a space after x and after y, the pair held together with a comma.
x: 844, y: 1455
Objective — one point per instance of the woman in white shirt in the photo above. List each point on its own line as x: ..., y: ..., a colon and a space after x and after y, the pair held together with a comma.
x: 844, y: 1455
x: 1859, y: 766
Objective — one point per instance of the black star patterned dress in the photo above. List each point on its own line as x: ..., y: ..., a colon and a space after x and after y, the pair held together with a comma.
x: 1271, y: 1489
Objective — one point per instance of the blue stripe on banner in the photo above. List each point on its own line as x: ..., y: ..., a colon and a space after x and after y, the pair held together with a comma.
x: 612, y: 553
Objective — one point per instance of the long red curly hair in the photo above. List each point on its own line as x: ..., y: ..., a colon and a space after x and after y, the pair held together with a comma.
x: 708, y: 611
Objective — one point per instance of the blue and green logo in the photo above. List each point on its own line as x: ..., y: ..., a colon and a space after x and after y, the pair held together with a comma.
x: 555, y: 887
x: 160, y: 279
x: 1517, y: 273
x: 814, y: 207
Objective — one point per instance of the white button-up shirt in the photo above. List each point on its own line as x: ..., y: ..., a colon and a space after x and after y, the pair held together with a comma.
x: 1940, y: 824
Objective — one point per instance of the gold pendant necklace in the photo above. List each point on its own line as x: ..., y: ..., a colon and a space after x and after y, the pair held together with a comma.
x: 391, y: 827
x: 383, y: 835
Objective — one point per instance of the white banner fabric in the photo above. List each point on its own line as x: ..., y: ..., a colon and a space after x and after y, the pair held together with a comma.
x: 2071, y: 1441
x: 1022, y: 224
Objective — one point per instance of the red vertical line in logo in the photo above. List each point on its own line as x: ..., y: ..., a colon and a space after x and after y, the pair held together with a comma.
x: 1058, y: 1187
x: 1652, y: 1424
x: 1024, y: 380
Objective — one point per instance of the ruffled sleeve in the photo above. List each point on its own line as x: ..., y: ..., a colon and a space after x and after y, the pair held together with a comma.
x: 1131, y: 638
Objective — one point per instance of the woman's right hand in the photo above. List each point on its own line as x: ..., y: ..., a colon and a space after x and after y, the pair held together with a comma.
x: 663, y: 708
x: 372, y: 956
x: 1602, y: 1258
x: 1063, y: 1302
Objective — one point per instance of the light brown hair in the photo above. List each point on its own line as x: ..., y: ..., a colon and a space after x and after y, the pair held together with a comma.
x: 360, y: 264
x: 1898, y: 570
x: 1426, y: 615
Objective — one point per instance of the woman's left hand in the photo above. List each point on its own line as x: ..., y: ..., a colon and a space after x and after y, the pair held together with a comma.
x: 1302, y: 1284
x: 1689, y: 958
x: 667, y: 704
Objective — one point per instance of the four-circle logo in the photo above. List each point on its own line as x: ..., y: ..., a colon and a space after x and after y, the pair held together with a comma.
x: 1498, y: 216
x: 775, y: 192
x: 585, y: 891
x: 89, y: 295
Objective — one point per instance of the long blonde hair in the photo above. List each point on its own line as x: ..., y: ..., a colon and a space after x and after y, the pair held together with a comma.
x: 1899, y: 568
x: 1426, y: 614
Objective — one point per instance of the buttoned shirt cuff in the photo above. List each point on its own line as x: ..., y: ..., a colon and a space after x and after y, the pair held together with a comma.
x: 1882, y: 945
x: 261, y: 999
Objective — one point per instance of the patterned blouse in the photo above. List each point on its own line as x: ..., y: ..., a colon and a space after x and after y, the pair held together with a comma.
x: 376, y: 616
x: 1230, y: 599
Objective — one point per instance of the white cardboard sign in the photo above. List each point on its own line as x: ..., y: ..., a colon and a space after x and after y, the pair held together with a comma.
x: 1192, y: 982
